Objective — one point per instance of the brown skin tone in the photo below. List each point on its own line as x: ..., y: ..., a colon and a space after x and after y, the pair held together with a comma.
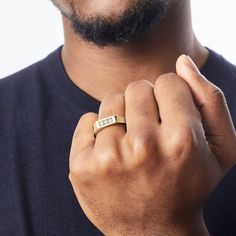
x: 153, y: 177
x: 100, y: 71
x: 105, y: 7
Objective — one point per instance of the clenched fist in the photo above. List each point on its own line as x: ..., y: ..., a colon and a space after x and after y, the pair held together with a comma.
x: 152, y: 176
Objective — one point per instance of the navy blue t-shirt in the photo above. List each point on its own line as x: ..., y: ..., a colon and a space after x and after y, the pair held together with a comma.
x: 39, y: 110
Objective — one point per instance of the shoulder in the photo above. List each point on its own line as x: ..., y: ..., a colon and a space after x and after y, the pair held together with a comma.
x: 18, y: 85
x: 28, y: 81
x: 25, y: 94
x: 218, y: 69
x: 19, y: 81
x: 30, y: 74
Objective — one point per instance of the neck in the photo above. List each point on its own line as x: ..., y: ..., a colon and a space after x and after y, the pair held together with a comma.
x: 99, y: 71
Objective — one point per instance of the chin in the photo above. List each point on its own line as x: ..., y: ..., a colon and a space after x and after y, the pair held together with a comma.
x: 104, y: 8
x: 115, y: 22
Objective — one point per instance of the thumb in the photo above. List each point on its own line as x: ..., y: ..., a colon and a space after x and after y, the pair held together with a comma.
x: 216, y: 119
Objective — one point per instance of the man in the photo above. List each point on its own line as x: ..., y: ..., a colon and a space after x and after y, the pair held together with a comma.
x: 151, y: 172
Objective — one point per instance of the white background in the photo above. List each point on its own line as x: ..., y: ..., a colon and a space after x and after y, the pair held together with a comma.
x: 30, y: 29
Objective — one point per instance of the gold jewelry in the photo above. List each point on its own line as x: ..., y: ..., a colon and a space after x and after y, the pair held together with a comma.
x: 106, y: 122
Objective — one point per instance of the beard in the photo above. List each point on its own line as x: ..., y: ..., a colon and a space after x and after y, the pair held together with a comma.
x: 139, y: 19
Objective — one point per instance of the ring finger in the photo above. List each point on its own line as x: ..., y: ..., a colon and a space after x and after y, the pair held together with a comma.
x: 112, y: 105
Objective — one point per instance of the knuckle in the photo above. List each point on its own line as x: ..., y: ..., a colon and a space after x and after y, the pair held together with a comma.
x: 73, y: 178
x: 182, y: 141
x: 162, y: 78
x: 113, y: 97
x: 70, y: 177
x: 81, y: 169
x: 165, y: 80
x: 84, y: 179
x: 77, y: 132
x: 109, y: 161
x: 111, y: 101
x: 76, y: 165
x: 200, y: 77
x: 85, y: 117
x: 170, y: 75
x: 136, y: 86
x: 142, y: 144
x: 217, y: 95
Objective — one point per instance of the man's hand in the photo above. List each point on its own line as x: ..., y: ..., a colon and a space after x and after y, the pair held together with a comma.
x: 153, y: 176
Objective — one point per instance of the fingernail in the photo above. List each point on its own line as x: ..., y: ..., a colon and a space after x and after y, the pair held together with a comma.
x: 192, y: 65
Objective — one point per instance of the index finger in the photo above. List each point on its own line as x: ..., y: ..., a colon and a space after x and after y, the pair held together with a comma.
x: 175, y: 101
x: 214, y: 111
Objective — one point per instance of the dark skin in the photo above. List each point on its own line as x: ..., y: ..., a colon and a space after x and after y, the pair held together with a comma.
x: 152, y: 177
x: 99, y: 70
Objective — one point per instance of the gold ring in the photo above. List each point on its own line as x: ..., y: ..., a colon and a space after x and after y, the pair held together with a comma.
x: 106, y: 122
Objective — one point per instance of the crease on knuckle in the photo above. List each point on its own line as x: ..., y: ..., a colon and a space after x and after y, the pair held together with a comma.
x: 216, y: 95
x: 165, y: 78
x: 110, y: 101
x: 166, y: 81
x: 135, y: 87
x: 183, y: 142
x: 113, y: 97
x: 85, y: 117
x: 142, y: 145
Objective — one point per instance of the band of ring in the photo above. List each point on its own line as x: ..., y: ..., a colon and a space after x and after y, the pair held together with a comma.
x: 106, y: 122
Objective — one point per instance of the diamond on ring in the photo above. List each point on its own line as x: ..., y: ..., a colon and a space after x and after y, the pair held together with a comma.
x: 106, y: 122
